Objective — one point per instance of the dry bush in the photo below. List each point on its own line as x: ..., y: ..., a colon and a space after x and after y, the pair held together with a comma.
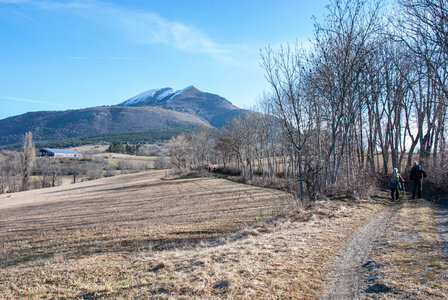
x: 93, y: 170
x: 10, y: 175
x: 152, y: 150
x: 362, y: 185
x: 109, y: 173
x: 437, y: 181
x: 92, y: 151
x: 230, y: 171
x: 96, y: 167
x: 161, y: 163
x: 295, y: 205
x: 133, y: 165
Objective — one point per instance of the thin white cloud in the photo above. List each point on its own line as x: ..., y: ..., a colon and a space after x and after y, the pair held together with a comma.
x: 150, y: 28
x: 141, y: 27
x: 27, y: 100
x: 103, y: 57
x: 13, y: 1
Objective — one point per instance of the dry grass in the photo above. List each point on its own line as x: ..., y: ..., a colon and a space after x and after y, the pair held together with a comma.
x: 409, y: 260
x: 137, y: 236
x: 91, y: 148
x: 115, y: 214
x: 101, y: 151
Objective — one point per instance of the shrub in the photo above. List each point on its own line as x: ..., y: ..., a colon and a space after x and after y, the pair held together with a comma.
x: 161, y: 163
x: 133, y: 165
x: 437, y: 180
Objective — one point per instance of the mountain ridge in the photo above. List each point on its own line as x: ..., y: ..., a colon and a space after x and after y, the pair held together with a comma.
x: 148, y: 111
x: 212, y: 108
x: 50, y: 126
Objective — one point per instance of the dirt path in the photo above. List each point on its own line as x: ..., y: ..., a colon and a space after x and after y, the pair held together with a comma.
x: 442, y: 224
x: 343, y: 279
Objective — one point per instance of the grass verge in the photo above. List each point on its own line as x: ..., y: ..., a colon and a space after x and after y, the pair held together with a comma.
x: 408, y: 263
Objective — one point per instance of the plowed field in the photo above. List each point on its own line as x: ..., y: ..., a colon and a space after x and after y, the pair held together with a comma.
x: 124, y: 214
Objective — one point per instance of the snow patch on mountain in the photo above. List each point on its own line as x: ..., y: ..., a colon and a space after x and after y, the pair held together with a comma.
x: 157, y: 95
x: 165, y: 94
x: 179, y: 92
x: 138, y: 98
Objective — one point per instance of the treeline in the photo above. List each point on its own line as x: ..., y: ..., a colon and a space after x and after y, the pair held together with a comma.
x: 370, y: 94
x: 119, y: 147
x: 22, y: 170
x: 147, y: 137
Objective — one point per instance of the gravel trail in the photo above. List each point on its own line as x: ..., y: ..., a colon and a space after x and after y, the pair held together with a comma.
x: 343, y: 280
x: 442, y: 224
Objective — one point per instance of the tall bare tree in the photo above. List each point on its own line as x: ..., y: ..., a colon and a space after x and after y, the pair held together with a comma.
x: 27, y: 159
x: 284, y: 71
x: 2, y: 174
x: 423, y: 27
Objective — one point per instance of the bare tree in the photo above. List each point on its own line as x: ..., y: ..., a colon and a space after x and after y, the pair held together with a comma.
x: 2, y: 174
x: 43, y: 168
x: 202, y: 142
x: 343, y: 44
x: 423, y: 27
x: 180, y: 152
x: 284, y: 72
x: 27, y: 159
x: 11, y: 172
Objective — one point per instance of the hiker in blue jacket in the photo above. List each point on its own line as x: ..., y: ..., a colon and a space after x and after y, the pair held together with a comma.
x: 395, y: 181
x: 417, y: 175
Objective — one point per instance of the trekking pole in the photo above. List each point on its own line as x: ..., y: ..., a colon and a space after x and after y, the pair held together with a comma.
x: 404, y: 190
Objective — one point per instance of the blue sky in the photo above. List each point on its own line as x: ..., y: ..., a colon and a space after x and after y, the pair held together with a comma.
x: 57, y: 55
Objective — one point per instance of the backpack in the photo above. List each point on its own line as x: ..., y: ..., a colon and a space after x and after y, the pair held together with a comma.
x: 394, y: 182
x: 395, y: 178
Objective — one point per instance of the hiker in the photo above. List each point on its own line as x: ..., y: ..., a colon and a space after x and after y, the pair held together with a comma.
x: 395, y: 181
x: 417, y: 174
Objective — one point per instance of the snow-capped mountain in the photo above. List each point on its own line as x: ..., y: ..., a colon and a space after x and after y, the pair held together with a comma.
x: 151, y: 97
x: 153, y: 110
x: 154, y: 96
x: 212, y: 108
x: 51, y: 126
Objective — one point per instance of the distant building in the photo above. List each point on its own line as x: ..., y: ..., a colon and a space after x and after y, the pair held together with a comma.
x: 49, y: 152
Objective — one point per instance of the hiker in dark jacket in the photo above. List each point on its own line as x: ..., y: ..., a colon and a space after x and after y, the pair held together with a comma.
x: 417, y: 174
x: 395, y: 181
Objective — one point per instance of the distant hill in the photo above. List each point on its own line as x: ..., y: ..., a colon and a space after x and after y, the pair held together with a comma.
x: 162, y: 110
x: 212, y: 108
x: 50, y: 126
